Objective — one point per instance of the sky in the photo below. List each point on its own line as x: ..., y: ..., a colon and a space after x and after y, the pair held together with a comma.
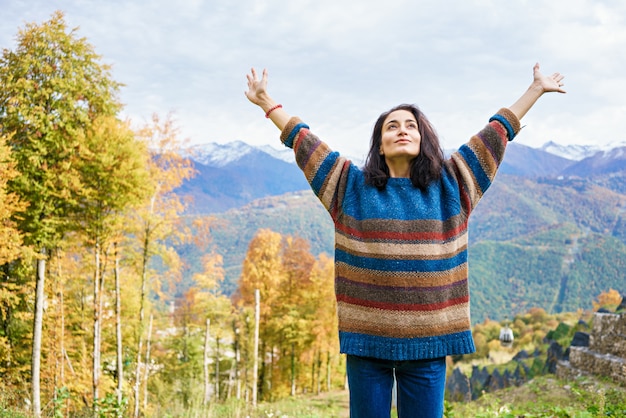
x: 339, y: 64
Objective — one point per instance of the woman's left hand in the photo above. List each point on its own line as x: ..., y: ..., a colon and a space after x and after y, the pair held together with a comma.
x: 553, y: 83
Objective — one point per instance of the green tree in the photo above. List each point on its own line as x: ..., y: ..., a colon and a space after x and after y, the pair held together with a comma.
x: 53, y: 87
x: 113, y: 169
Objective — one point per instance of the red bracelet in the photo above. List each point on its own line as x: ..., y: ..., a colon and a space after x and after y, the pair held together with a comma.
x: 278, y: 106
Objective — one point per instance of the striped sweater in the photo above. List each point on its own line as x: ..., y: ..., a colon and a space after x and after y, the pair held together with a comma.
x: 401, y: 268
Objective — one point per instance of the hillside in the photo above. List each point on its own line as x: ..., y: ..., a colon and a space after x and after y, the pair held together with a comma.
x: 233, y: 175
x: 529, y: 244
x: 538, y: 237
x: 220, y: 185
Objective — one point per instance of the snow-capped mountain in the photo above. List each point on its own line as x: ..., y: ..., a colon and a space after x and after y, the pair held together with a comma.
x: 602, y: 162
x: 231, y: 175
x: 578, y: 152
x: 220, y: 155
x: 285, y: 154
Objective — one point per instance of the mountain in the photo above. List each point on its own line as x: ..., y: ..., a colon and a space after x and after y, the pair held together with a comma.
x: 233, y: 175
x: 529, y: 244
x: 551, y: 231
x: 577, y: 152
x: 521, y: 160
x: 601, y: 162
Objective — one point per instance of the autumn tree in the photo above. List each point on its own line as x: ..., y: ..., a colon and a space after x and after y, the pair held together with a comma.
x: 158, y: 222
x: 10, y: 203
x: 298, y: 322
x: 216, y: 308
x: 53, y: 87
x: 10, y: 286
x: 293, y: 315
x: 113, y: 169
x: 323, y: 352
x: 263, y: 270
x: 609, y: 300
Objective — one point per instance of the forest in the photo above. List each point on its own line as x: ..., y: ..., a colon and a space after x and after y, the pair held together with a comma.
x: 101, y: 314
x: 92, y: 320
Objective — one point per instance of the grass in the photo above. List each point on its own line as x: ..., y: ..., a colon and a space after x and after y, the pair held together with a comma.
x: 542, y: 397
x: 547, y: 396
x: 327, y: 405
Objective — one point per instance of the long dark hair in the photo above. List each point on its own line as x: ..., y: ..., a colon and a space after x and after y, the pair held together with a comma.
x: 425, y: 168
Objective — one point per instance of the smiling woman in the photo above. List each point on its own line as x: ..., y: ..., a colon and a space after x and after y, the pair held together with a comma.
x: 403, y: 144
x: 401, y: 272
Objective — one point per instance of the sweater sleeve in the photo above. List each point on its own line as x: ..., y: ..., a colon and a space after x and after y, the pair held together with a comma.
x: 475, y: 164
x: 325, y: 170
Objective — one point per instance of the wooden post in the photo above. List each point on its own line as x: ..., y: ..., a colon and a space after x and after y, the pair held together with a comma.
x: 146, y: 372
x: 118, y: 333
x: 255, y: 369
x: 37, y: 331
x: 207, y: 392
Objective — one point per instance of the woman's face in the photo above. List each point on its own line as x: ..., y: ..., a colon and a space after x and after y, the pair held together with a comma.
x: 400, y: 137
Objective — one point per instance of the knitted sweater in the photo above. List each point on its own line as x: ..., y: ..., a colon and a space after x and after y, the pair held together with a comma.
x: 401, y: 268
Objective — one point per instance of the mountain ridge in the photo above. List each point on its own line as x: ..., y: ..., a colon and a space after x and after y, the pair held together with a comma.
x: 220, y: 154
x: 232, y: 175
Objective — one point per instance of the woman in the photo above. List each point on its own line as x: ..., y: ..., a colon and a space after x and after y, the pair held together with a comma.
x: 401, y: 244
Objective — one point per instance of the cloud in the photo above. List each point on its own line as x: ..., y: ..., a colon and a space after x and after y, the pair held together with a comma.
x: 339, y: 64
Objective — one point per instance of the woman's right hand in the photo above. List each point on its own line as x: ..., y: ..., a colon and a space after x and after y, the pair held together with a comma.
x: 257, y: 89
x: 257, y: 94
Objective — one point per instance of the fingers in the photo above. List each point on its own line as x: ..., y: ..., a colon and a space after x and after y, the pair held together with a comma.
x: 253, y: 78
x: 558, y: 79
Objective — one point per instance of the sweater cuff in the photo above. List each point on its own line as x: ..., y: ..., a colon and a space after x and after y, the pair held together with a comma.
x: 510, y: 122
x: 290, y: 131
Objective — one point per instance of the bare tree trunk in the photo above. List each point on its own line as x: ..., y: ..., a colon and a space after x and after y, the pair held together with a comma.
x: 269, y: 373
x: 293, y: 370
x: 144, y: 279
x: 137, y: 377
x: 328, y: 381
x: 146, y: 372
x: 96, y: 328
x: 37, y: 331
x: 118, y: 332
x: 217, y: 368
x: 237, y: 363
x: 319, y: 372
x: 60, y: 357
x: 255, y: 368
x: 62, y: 309
x: 312, y: 374
x: 207, y: 393
x: 231, y: 380
x: 69, y: 363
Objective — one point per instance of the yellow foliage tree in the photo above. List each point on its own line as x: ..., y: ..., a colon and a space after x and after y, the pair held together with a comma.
x: 10, y: 237
x: 263, y: 270
x: 159, y: 223
x: 609, y: 300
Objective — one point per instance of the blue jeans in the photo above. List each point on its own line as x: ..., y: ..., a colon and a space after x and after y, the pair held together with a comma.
x: 420, y: 387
